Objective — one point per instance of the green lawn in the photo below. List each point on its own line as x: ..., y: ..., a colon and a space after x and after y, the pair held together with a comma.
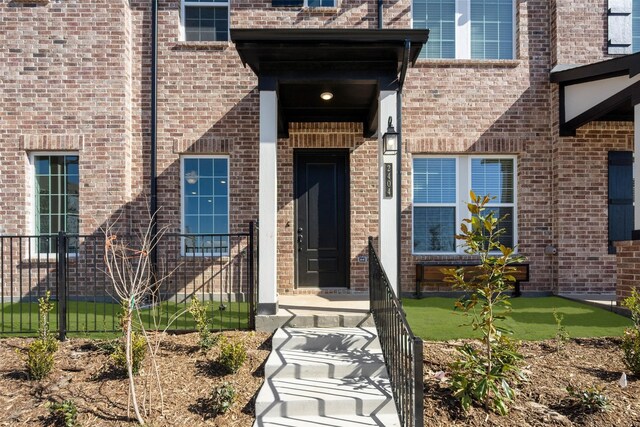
x: 99, y: 319
x: 434, y: 319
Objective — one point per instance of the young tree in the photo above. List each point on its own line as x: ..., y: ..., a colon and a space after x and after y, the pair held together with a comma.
x: 485, y: 375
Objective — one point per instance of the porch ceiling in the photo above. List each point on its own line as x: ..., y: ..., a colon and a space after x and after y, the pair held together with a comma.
x: 603, y: 91
x: 354, y: 65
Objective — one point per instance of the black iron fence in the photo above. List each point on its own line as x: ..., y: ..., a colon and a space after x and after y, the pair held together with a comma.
x: 218, y: 269
x: 401, y: 348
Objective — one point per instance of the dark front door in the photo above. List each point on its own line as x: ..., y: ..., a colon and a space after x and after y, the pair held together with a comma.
x: 321, y: 195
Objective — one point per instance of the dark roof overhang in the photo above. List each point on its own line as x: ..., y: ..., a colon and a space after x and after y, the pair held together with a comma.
x: 618, y: 106
x: 353, y: 64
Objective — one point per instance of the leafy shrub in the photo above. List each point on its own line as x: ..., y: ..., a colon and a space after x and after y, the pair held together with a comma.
x: 64, y: 414
x: 138, y: 353
x: 631, y: 350
x: 198, y: 310
x: 631, y: 337
x: 562, y: 335
x: 485, y: 373
x: 222, y: 398
x: 40, y: 354
x: 592, y: 398
x: 232, y: 355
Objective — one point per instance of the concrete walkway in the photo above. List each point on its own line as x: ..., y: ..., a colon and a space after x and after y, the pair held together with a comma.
x: 326, y: 377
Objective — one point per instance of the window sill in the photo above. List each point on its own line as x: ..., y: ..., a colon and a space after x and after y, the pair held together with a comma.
x: 467, y: 63
x: 194, y: 45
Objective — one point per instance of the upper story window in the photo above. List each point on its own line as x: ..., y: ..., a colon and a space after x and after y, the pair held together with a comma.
x: 205, y: 20
x: 464, y: 29
x: 441, y: 187
x: 303, y: 3
x: 56, y: 201
x: 205, y: 205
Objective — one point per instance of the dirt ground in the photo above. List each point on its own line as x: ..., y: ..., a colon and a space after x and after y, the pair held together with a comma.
x: 82, y: 374
x: 188, y: 376
x: 543, y: 400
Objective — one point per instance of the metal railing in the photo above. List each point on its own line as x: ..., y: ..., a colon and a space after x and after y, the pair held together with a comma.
x: 402, y: 350
x: 216, y: 268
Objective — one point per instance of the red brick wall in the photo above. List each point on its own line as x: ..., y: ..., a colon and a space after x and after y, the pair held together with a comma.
x: 472, y: 107
x: 76, y: 77
x: 628, y: 265
x: 65, y: 86
x: 581, y: 230
x: 580, y: 31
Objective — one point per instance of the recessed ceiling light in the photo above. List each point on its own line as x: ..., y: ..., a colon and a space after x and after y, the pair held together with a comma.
x: 327, y: 96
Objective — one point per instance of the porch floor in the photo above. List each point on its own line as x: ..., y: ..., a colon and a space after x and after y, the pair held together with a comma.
x: 324, y: 304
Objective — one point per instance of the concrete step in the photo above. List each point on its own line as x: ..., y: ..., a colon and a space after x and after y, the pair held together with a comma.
x: 330, y: 339
x: 282, y: 397
x: 382, y: 420
x: 325, y: 364
x: 301, y: 319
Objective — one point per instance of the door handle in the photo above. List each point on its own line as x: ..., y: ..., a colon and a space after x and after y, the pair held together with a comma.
x: 299, y: 238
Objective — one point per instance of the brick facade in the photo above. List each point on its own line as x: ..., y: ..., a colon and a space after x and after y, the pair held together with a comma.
x: 75, y: 77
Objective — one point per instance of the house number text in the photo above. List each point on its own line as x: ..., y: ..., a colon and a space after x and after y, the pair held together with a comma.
x: 388, y: 180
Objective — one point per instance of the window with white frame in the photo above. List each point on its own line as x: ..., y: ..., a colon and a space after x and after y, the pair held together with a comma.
x: 205, y: 20
x: 303, y: 3
x: 465, y: 29
x: 205, y: 205
x: 441, y: 186
x: 56, y: 197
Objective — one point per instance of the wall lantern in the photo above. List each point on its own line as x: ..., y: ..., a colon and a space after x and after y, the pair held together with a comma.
x: 192, y: 177
x: 390, y: 139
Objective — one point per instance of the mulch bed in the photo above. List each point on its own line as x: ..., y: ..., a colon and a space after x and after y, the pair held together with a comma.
x: 82, y: 374
x: 543, y: 400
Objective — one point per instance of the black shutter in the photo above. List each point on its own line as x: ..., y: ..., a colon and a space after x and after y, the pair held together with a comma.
x: 620, y: 197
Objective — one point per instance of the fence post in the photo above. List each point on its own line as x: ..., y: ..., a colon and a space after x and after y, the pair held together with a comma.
x: 61, y: 278
x: 252, y: 291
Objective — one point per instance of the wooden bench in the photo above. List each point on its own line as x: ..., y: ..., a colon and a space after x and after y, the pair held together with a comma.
x: 430, y: 274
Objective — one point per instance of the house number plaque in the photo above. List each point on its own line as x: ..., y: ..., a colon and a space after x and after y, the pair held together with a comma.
x: 388, y: 180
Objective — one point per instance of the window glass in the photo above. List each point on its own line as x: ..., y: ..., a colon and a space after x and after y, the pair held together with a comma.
x: 434, y: 229
x: 437, y: 210
x: 57, y: 202
x: 434, y: 199
x: 492, y: 29
x: 434, y: 180
x: 205, y: 205
x: 206, y: 20
x: 494, y: 177
x: 439, y: 17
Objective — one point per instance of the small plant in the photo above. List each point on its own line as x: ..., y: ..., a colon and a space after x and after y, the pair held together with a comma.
x: 562, y: 335
x: 222, y: 398
x: 592, y: 398
x: 485, y: 373
x: 232, y: 355
x: 138, y: 353
x: 199, y: 312
x: 631, y: 337
x: 40, y: 354
x: 64, y: 414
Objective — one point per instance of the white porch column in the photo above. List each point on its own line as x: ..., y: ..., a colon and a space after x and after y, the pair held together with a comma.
x: 636, y: 167
x: 267, y: 199
x: 388, y: 213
